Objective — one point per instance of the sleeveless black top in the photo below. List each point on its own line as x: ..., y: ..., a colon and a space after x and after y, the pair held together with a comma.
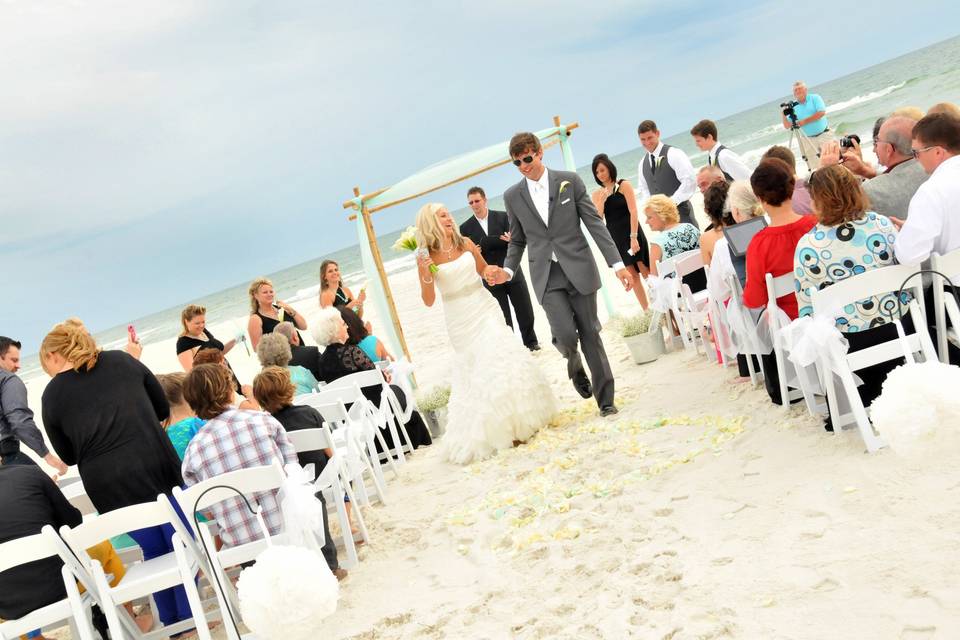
x: 269, y: 324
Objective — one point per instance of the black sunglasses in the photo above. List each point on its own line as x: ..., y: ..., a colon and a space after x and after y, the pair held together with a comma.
x: 523, y: 160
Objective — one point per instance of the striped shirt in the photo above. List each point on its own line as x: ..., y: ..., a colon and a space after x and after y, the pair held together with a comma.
x: 238, y: 440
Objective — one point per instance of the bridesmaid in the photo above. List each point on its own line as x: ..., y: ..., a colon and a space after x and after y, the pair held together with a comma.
x: 334, y: 294
x: 266, y: 312
x: 617, y: 205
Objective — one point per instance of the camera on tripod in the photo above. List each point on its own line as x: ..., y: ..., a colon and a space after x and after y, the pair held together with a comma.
x: 788, y: 110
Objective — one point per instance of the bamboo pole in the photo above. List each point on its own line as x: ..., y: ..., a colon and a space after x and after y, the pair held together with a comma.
x: 488, y: 167
x: 382, y: 274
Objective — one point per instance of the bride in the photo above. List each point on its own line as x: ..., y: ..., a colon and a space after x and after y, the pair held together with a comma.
x: 498, y: 395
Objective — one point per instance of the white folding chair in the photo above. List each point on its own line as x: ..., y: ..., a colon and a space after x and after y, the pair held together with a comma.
x: 355, y: 462
x: 945, y: 309
x: 719, y: 327
x: 73, y: 610
x: 334, y: 491
x: 793, y: 383
x: 364, y: 417
x: 203, y: 495
x: 142, y: 579
x: 389, y: 406
x: 693, y: 305
x: 743, y: 330
x: 850, y: 291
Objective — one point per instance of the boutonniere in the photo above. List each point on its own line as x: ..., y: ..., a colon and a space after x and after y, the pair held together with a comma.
x: 564, y: 185
x: 658, y: 160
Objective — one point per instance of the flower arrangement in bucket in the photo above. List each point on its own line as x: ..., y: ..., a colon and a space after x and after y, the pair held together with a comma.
x: 432, y: 403
x: 408, y: 242
x: 642, y: 335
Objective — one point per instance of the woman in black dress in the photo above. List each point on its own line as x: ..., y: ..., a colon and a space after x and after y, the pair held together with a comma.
x: 266, y: 312
x: 102, y: 412
x: 196, y: 336
x: 617, y: 205
x: 340, y: 359
x: 334, y: 294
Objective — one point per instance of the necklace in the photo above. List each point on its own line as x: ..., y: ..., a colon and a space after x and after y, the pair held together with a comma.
x: 447, y: 251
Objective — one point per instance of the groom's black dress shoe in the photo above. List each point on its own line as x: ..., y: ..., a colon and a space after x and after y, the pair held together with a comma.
x: 582, y: 384
x: 608, y: 410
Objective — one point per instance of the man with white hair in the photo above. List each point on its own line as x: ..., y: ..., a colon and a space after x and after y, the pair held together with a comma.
x: 811, y: 112
x: 708, y: 175
x: 889, y: 191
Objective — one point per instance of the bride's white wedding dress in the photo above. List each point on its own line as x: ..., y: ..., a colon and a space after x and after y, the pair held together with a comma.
x: 497, y: 392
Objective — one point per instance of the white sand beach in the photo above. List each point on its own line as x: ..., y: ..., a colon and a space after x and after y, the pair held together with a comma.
x: 700, y: 511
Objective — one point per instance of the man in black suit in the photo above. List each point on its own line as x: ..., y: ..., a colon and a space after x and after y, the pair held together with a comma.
x: 303, y: 355
x: 490, y: 230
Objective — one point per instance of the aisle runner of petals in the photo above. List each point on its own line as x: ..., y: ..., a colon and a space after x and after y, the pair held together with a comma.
x: 576, y: 467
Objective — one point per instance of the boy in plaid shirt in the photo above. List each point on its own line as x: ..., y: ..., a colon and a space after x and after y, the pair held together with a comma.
x: 232, y: 439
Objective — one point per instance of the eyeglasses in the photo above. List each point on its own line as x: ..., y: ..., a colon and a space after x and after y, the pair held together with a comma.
x: 916, y: 152
x: 523, y: 160
x: 474, y: 201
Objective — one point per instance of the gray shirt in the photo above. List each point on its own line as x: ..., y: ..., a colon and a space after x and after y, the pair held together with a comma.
x: 890, y: 192
x: 16, y: 418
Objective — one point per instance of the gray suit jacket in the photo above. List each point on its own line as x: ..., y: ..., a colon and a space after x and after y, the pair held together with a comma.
x: 890, y: 193
x: 562, y: 235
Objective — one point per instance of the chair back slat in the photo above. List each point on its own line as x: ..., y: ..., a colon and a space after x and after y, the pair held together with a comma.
x: 875, y: 282
x: 14, y: 553
x: 304, y: 440
x: 780, y: 286
x: 688, y: 262
x: 100, y: 527
x: 247, y: 481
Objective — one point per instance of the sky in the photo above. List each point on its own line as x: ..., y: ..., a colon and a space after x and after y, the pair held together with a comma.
x: 152, y: 152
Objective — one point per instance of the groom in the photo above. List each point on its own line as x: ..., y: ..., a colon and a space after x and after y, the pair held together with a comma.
x: 545, y: 210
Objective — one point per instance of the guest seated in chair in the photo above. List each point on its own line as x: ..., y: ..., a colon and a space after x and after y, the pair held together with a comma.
x: 274, y: 391
x: 274, y: 351
x: 772, y: 249
x: 360, y: 334
x: 302, y: 355
x: 671, y: 237
x: 849, y: 240
x: 232, y: 439
x: 341, y: 359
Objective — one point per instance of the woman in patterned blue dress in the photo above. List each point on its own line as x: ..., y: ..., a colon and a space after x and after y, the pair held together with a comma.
x: 849, y: 240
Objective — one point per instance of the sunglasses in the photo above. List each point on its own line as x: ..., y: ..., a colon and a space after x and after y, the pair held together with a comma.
x: 474, y: 201
x: 523, y: 160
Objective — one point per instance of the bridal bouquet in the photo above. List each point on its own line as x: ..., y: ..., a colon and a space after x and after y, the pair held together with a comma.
x: 408, y: 242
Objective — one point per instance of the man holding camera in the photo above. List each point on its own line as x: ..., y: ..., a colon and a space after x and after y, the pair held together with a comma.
x: 890, y: 191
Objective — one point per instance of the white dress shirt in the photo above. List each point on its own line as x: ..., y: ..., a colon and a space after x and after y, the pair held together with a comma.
x: 681, y: 165
x: 484, y: 221
x: 540, y: 194
x: 931, y: 223
x: 729, y: 162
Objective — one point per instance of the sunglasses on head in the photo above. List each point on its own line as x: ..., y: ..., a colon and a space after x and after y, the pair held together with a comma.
x: 523, y: 160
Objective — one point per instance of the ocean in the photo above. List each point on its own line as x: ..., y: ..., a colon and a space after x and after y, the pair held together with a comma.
x: 921, y: 78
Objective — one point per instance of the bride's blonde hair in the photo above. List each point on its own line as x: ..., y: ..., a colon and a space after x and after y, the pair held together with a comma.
x: 429, y: 232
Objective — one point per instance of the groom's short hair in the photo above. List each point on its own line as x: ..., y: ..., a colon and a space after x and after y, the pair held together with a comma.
x: 522, y: 142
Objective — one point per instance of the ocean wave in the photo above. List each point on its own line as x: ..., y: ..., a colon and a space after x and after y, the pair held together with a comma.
x: 756, y: 135
x: 867, y: 97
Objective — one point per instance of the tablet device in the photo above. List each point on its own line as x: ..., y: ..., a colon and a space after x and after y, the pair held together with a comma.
x: 739, y: 235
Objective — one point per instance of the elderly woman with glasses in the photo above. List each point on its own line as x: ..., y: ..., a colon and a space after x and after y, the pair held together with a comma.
x: 340, y: 359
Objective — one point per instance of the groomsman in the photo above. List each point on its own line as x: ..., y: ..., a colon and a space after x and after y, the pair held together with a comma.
x: 665, y: 170
x: 705, y: 137
x: 490, y: 230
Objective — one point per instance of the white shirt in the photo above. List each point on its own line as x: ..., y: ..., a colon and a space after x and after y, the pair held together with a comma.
x: 681, y: 165
x: 931, y: 223
x: 483, y: 223
x: 540, y: 194
x: 729, y: 162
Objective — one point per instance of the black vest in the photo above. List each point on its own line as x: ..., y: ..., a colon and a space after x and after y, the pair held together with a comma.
x: 711, y: 162
x: 665, y: 181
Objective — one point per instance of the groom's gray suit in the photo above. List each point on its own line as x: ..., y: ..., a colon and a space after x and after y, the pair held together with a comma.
x: 567, y: 286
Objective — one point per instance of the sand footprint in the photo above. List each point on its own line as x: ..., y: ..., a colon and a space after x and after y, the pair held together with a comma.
x: 827, y: 584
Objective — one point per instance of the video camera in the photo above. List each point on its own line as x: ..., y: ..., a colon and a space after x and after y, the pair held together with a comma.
x: 788, y: 110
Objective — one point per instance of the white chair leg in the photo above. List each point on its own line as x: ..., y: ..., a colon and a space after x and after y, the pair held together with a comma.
x: 870, y: 439
x: 80, y: 626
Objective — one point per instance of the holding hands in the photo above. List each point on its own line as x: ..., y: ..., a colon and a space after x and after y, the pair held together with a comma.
x: 494, y: 275
x: 624, y: 276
